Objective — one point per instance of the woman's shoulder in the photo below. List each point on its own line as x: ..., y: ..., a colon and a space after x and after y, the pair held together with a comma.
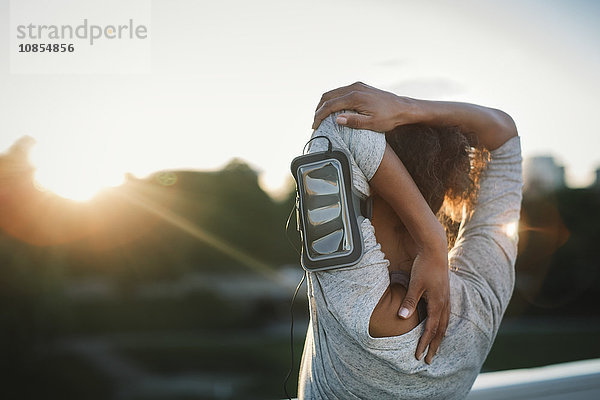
x: 365, y: 147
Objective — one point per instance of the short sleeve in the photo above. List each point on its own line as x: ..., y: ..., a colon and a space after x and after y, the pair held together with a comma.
x: 365, y: 148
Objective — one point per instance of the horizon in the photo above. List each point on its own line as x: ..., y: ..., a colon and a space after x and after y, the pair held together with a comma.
x: 278, y: 194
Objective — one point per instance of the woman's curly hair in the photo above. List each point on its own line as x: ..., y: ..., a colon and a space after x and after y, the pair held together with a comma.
x: 445, y: 167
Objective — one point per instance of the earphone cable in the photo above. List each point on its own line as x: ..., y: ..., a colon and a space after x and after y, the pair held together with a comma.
x: 289, y: 374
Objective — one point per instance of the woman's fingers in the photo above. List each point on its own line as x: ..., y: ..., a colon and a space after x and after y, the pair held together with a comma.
x: 348, y: 101
x: 355, y: 121
x: 409, y: 304
x: 434, y: 313
x: 439, y: 336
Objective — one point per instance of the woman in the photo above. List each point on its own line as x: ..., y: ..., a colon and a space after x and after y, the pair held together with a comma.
x: 357, y: 346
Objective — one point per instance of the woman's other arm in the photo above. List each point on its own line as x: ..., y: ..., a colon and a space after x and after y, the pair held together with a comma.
x: 429, y: 276
x: 382, y: 111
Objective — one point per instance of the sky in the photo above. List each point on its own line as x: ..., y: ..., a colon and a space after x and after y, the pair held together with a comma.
x: 238, y: 79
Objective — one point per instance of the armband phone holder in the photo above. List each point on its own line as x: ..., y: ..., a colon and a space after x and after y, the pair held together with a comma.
x: 328, y: 210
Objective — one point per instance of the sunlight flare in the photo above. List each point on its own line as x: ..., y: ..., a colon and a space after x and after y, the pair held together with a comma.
x: 214, y: 241
x: 76, y: 174
x: 511, y: 229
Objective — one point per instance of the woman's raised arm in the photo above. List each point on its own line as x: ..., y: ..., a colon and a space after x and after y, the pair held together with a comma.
x: 382, y: 111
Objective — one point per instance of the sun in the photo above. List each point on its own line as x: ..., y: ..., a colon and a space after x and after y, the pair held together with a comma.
x: 77, y: 176
x: 78, y: 185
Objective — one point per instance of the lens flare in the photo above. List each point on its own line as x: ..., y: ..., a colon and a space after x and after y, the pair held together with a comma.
x: 511, y: 229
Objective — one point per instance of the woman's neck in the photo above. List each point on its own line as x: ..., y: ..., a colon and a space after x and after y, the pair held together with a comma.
x: 396, y: 243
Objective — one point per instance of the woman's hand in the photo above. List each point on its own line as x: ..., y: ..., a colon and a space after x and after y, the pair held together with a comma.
x: 378, y: 110
x: 429, y: 279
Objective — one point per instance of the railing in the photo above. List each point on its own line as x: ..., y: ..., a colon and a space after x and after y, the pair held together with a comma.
x: 579, y: 380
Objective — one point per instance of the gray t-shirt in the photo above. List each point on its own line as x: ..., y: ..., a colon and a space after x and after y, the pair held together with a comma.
x: 342, y: 361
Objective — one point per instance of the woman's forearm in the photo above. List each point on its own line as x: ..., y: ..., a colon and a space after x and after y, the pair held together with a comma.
x: 485, y: 126
x: 395, y: 185
x: 382, y: 111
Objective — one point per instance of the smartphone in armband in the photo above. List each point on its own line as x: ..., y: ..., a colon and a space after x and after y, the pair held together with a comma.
x: 329, y: 211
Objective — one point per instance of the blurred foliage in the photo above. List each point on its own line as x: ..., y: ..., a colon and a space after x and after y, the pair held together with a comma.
x: 125, y: 238
x: 558, y: 268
